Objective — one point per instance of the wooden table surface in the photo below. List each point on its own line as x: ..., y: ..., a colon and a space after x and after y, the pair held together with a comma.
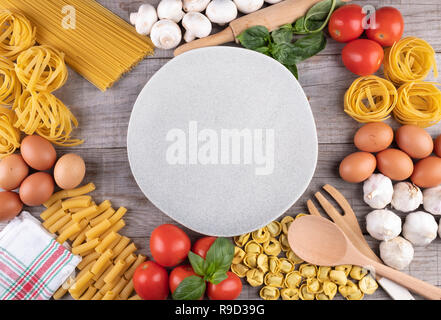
x: 104, y: 118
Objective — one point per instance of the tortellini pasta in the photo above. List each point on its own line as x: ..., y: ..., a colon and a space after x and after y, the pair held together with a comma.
x: 269, y: 293
x: 290, y: 294
x: 357, y: 273
x: 253, y: 247
x: 239, y: 269
x: 262, y: 235
x: 338, y: 277
x: 262, y: 262
x: 286, y: 266
x: 313, y: 285
x: 330, y: 289
x: 241, y: 240
x: 239, y: 254
x: 274, y: 264
x: 293, y: 257
x: 305, y: 294
x: 284, y: 244
x: 286, y: 222
x: 308, y: 270
x: 293, y: 279
x: 272, y: 247
x: 274, y: 280
x: 323, y: 273
x: 255, y: 277
x: 348, y: 289
x: 322, y: 296
x: 346, y: 268
x: 250, y: 260
x: 368, y: 284
x: 274, y: 228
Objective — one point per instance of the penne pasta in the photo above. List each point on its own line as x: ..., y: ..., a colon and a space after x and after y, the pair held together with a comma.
x: 89, y: 293
x: 98, y: 230
x: 115, y: 271
x: 63, y: 194
x: 78, y: 216
x: 79, y: 239
x: 77, y: 202
x: 46, y: 214
x: 126, y: 252
x: 54, y: 218
x: 101, y: 262
x: 127, y: 290
x: 60, y: 223
x: 86, y: 246
x: 59, y: 293
x: 97, y: 296
x: 116, y: 227
x: 83, y: 225
x: 106, y: 242
x: 107, y: 265
x: 103, y: 206
x: 129, y: 273
x: 124, y: 241
x: 120, y: 285
x: 74, y: 228
x: 87, y: 259
x: 135, y: 297
x: 100, y: 282
x: 118, y: 215
x: 105, y: 215
x: 110, y: 295
x: 81, y: 284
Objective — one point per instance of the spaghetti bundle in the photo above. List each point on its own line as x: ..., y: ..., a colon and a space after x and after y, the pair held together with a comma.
x: 10, y: 87
x: 370, y: 99
x: 9, y: 136
x: 17, y: 34
x: 419, y: 103
x: 43, y: 113
x: 409, y: 59
x: 98, y: 44
x: 41, y: 68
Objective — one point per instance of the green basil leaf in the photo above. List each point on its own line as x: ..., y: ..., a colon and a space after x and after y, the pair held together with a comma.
x: 219, y: 256
x: 264, y: 50
x: 197, y: 263
x: 317, y: 17
x: 284, y: 53
x: 218, y: 277
x: 308, y: 46
x: 320, y: 10
x: 282, y: 35
x: 293, y: 69
x: 191, y: 288
x: 254, y: 37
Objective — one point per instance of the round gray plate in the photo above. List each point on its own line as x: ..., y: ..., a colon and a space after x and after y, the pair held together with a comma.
x: 226, y: 93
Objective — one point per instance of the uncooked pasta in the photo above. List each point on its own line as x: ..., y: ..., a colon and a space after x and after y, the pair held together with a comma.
x: 41, y: 68
x: 10, y: 87
x: 409, y: 59
x: 17, y: 34
x: 9, y: 136
x: 98, y: 44
x: 419, y: 103
x: 46, y: 115
x: 370, y: 99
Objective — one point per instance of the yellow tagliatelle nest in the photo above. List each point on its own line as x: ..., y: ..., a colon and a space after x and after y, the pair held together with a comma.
x: 17, y: 34
x: 409, y: 59
x: 44, y: 114
x: 9, y: 136
x: 370, y: 99
x: 419, y: 103
x: 10, y: 87
x: 41, y: 68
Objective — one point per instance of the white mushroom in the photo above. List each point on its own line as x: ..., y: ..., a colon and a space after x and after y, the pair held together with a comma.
x: 221, y: 11
x: 171, y: 10
x: 407, y: 197
x: 248, y: 6
x: 378, y: 191
x: 196, y: 25
x: 195, y: 5
x: 420, y: 228
x: 144, y: 19
x: 272, y: 1
x: 383, y: 224
x: 432, y: 200
x: 396, y: 253
x: 166, y: 34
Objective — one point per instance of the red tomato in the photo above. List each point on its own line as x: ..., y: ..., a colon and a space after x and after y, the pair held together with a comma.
x: 229, y: 289
x: 150, y: 281
x: 178, y: 274
x: 346, y: 23
x: 388, y: 27
x: 202, y: 245
x: 362, y: 56
x: 169, y: 245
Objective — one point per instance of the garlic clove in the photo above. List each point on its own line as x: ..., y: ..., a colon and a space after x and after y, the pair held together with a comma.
x: 432, y: 200
x: 397, y: 253
x: 420, y: 228
x: 407, y: 197
x: 378, y: 191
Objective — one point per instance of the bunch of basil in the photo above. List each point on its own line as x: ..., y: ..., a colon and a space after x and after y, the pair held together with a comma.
x: 279, y: 43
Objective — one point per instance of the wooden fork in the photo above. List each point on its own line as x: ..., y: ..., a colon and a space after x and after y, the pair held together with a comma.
x: 349, y: 224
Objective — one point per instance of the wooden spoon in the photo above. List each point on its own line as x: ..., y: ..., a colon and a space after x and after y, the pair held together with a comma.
x: 321, y: 242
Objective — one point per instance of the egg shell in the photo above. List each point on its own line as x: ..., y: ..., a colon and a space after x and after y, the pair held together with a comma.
x: 438, y: 146
x: 10, y: 205
x: 374, y: 137
x: 357, y: 167
x: 395, y: 164
x: 427, y: 173
x: 37, y: 189
x: 69, y: 171
x: 13, y: 170
x: 38, y: 153
x: 415, y: 141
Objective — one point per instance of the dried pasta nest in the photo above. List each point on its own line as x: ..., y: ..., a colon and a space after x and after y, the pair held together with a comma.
x: 273, y: 266
x: 18, y: 34
x: 10, y: 87
x: 41, y: 68
x: 9, y: 135
x: 46, y: 115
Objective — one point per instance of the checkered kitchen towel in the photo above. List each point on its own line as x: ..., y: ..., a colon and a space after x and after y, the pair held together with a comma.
x: 32, y: 264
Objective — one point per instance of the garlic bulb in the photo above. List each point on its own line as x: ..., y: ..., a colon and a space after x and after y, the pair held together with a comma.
x: 378, y: 191
x: 432, y: 200
x: 383, y: 224
x: 407, y: 197
x: 396, y: 253
x: 420, y: 228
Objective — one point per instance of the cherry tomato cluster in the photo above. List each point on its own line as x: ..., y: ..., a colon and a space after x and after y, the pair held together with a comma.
x: 382, y: 29
x: 169, y: 246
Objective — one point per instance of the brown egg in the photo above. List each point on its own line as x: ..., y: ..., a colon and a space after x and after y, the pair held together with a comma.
x: 394, y: 164
x: 36, y: 189
x: 374, y: 137
x: 415, y: 141
x: 357, y: 167
x: 13, y: 170
x: 38, y: 152
x: 427, y: 173
x: 69, y: 171
x: 438, y: 146
x: 10, y: 205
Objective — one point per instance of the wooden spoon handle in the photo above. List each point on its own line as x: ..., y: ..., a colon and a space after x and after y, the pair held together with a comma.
x: 224, y: 36
x: 416, y: 285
